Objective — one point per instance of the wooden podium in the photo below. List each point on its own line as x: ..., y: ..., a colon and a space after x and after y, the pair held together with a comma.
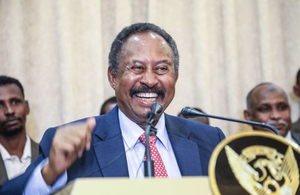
x: 124, y: 186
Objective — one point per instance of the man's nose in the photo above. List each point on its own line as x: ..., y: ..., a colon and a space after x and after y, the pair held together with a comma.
x: 149, y: 78
x: 8, y: 110
x: 275, y: 114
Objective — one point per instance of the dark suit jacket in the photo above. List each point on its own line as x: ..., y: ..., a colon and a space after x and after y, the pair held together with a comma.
x: 34, y: 153
x: 192, y: 142
x: 296, y: 126
x: 295, y: 130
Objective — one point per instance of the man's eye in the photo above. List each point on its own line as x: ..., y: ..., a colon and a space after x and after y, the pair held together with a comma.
x: 282, y: 107
x: 264, y: 109
x: 14, y: 102
x: 161, y: 70
x: 137, y: 69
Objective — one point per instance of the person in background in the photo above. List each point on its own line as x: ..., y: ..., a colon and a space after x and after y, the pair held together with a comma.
x: 143, y: 69
x: 108, y: 105
x: 204, y: 120
x: 17, y: 150
x: 268, y: 103
x: 296, y: 125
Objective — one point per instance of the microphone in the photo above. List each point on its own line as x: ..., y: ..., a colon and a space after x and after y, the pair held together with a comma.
x: 156, y: 108
x: 188, y: 112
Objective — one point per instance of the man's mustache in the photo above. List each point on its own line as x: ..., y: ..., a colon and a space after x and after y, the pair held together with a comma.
x: 3, y: 123
x: 280, y: 122
x: 145, y: 89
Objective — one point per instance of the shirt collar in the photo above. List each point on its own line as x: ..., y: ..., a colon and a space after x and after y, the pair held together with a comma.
x: 131, y: 131
x: 26, y: 152
x: 289, y: 137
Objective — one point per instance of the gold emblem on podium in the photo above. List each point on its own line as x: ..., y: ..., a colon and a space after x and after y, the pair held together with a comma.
x: 255, y: 163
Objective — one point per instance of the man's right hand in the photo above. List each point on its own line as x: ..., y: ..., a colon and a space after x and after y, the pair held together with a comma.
x: 68, y: 144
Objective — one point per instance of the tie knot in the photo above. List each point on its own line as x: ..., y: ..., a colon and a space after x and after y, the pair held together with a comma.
x: 152, y: 139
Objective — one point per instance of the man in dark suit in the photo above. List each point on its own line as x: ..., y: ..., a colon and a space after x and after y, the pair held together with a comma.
x: 143, y: 69
x: 296, y: 125
x: 17, y: 150
x: 268, y: 103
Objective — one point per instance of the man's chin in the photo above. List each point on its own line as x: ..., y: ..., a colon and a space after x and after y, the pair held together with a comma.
x: 11, y: 132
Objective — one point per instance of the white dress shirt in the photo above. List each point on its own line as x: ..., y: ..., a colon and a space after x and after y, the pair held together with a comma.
x: 290, y: 138
x: 13, y: 165
x: 135, y: 150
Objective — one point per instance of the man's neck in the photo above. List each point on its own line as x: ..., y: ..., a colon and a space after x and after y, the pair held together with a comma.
x: 14, y: 144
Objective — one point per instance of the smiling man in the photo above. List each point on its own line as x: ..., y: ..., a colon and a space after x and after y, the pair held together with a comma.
x: 268, y: 103
x: 143, y: 69
x: 17, y: 150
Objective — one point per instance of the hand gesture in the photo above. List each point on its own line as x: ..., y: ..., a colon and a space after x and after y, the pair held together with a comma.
x: 68, y: 144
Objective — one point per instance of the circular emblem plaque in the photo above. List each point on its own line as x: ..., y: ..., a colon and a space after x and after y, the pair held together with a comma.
x: 255, y: 163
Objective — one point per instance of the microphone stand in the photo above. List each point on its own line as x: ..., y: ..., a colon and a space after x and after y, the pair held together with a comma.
x: 148, y: 163
x: 239, y: 121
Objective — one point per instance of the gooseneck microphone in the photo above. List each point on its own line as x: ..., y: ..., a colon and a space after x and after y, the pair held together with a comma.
x: 188, y: 112
x: 156, y: 108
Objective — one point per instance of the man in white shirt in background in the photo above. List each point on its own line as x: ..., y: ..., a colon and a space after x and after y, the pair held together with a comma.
x: 296, y: 89
x: 268, y: 103
x: 17, y: 150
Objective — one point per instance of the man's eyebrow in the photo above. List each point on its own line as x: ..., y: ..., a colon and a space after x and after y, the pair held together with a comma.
x: 164, y: 62
x: 137, y: 61
x: 156, y: 63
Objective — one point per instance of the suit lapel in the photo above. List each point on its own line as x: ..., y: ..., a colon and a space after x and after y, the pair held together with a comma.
x: 111, y: 157
x: 109, y: 147
x: 296, y: 136
x: 3, y: 174
x: 186, y: 151
x: 34, y: 150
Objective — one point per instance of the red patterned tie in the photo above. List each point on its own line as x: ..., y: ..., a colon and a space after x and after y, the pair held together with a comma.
x: 159, y: 167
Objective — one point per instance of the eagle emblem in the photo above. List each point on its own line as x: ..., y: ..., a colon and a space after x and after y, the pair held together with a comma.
x: 262, y: 170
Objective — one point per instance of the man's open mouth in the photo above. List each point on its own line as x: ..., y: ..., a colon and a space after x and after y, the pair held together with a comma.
x: 147, y: 93
x: 147, y: 96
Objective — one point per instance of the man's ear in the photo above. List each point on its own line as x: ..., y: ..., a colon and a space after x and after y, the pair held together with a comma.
x: 297, y: 90
x: 176, y: 77
x: 111, y: 78
x: 27, y: 108
x: 247, y: 115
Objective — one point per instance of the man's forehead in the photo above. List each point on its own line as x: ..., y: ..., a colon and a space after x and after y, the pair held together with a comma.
x: 150, y: 34
x: 145, y: 38
x: 146, y: 42
x: 266, y: 94
x: 10, y: 89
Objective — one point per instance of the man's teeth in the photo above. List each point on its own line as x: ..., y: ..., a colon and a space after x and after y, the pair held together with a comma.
x: 147, y: 96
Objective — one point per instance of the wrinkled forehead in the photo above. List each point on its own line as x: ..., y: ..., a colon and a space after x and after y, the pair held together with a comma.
x: 146, y: 40
x: 268, y: 92
x: 149, y: 35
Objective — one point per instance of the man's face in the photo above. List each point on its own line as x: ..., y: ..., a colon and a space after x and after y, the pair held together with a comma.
x: 13, y: 110
x: 270, y: 107
x: 146, y: 75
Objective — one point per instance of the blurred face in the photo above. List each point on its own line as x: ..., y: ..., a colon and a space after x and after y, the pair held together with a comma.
x: 272, y: 107
x: 13, y: 110
x: 109, y: 107
x: 146, y: 75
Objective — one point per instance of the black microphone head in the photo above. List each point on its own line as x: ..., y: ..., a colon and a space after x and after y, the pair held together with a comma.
x: 188, y: 112
x: 156, y: 107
